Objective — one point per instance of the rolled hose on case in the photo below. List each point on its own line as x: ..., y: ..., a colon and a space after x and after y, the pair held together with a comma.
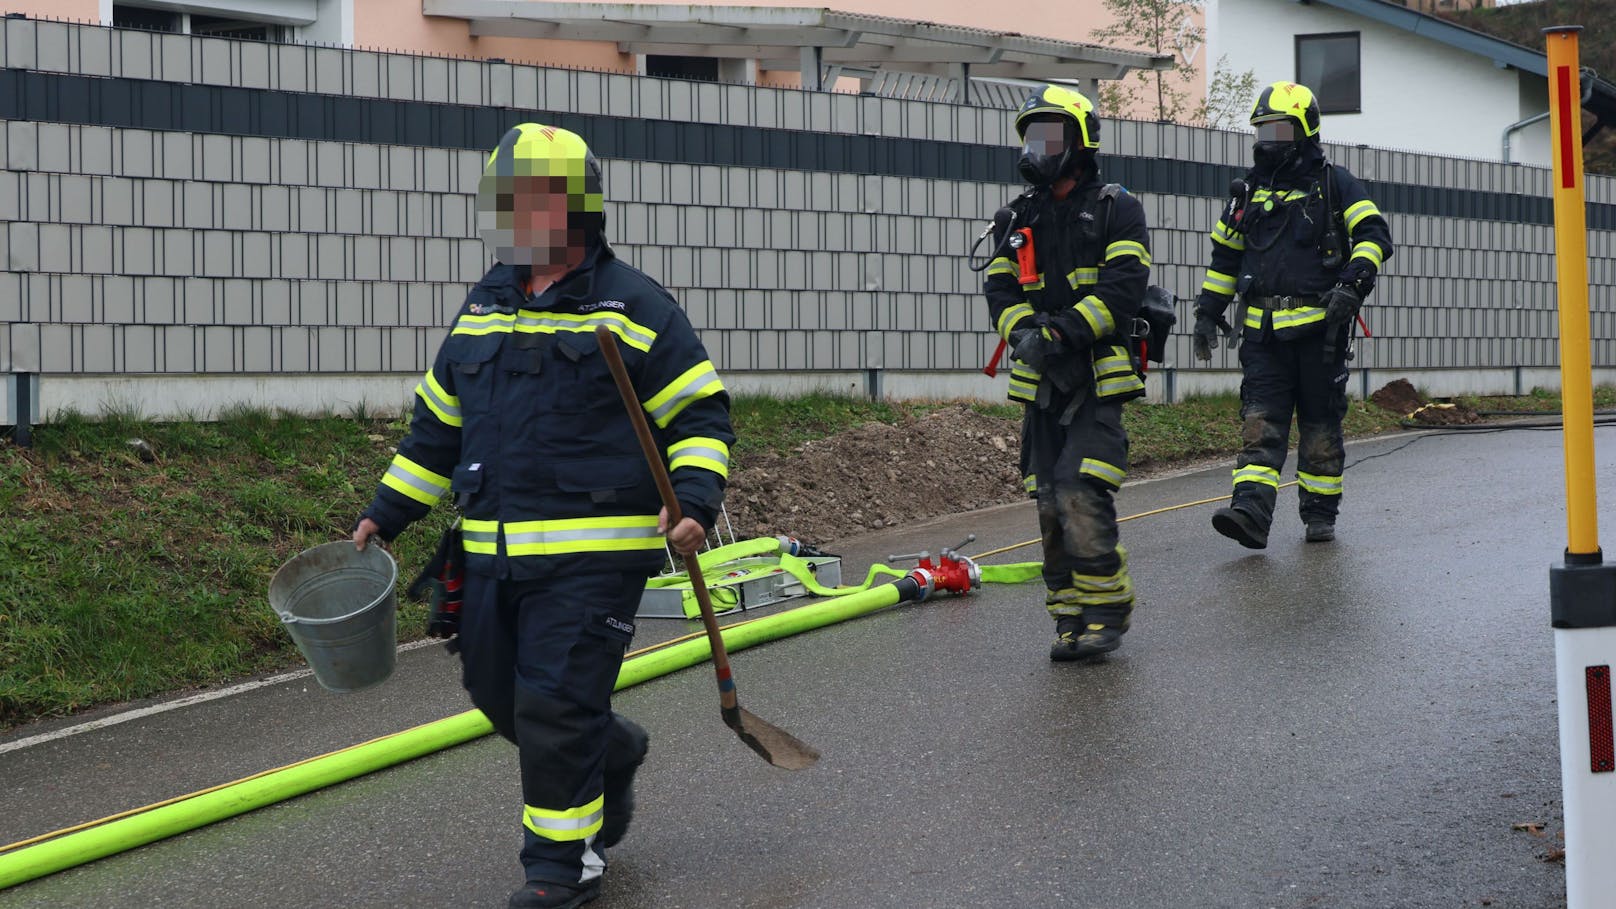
x: 47, y: 854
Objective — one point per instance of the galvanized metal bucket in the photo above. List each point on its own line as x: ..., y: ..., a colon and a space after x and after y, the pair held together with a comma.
x: 340, y: 605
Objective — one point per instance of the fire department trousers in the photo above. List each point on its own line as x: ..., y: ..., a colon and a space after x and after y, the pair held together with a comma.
x: 1282, y: 378
x: 540, y: 658
x: 1074, y: 470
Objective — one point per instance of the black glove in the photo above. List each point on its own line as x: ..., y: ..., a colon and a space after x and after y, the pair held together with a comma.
x: 1035, y: 346
x: 1360, y: 276
x: 1340, y: 304
x: 1205, y: 336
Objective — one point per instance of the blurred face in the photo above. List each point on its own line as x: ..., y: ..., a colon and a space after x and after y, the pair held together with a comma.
x: 523, y: 221
x: 1278, y: 131
x: 1045, y: 138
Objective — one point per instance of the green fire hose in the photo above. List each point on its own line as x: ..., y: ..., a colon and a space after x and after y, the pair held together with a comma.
x: 73, y: 846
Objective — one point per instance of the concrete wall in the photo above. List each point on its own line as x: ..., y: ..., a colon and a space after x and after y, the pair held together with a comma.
x: 238, y: 257
x: 1416, y: 93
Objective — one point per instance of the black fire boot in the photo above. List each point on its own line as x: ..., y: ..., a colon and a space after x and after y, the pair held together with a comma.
x: 1320, y: 531
x: 626, y: 750
x: 1241, y: 526
x: 1068, y: 628
x: 1076, y: 640
x: 550, y: 895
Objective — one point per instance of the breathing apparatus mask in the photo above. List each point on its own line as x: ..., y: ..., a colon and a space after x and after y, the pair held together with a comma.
x: 1051, y: 149
x: 1279, y: 142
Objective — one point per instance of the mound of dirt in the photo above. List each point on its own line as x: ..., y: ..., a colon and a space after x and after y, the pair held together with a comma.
x: 877, y: 475
x: 1399, y: 397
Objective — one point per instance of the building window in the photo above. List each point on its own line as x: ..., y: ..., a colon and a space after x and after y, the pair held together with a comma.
x: 1330, y: 65
x: 682, y: 67
x: 128, y: 15
x: 243, y: 30
x: 151, y: 20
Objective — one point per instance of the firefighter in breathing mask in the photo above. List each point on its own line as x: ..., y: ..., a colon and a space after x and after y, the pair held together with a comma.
x: 1301, y: 242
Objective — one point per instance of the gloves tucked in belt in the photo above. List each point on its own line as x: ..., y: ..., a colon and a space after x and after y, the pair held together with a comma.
x: 1340, y: 304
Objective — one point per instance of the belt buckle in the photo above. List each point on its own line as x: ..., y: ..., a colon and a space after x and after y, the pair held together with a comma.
x: 1285, y: 302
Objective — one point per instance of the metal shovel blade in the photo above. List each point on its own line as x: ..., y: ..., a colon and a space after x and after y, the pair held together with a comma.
x: 773, y: 744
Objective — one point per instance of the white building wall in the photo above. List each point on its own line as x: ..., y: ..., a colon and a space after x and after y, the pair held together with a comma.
x: 1417, y: 94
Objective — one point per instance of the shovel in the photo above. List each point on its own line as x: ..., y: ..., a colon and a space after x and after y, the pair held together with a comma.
x: 773, y: 744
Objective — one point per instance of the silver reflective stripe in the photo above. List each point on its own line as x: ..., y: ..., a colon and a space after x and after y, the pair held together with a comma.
x: 700, y: 451
x: 630, y: 330
x: 698, y: 383
x: 480, y: 536
x: 409, y: 479
x: 427, y: 391
x: 565, y: 823
x: 525, y: 537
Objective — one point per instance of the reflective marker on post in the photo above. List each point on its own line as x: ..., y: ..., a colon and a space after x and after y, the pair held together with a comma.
x: 1582, y: 589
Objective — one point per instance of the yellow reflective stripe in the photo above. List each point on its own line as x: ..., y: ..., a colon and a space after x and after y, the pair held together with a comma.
x: 1116, y: 385
x: 480, y: 537
x: 1122, y: 248
x: 445, y: 406
x: 617, y: 533
x: 1370, y: 251
x: 1317, y: 483
x: 1030, y: 482
x: 697, y: 382
x: 1302, y: 315
x: 1003, y: 266
x: 1095, y: 313
x: 1358, y: 211
x: 1289, y: 195
x: 492, y: 323
x: 698, y: 451
x: 565, y: 826
x: 1113, y: 364
x: 1219, y: 283
x: 1222, y: 234
x: 1256, y: 473
x: 1285, y: 318
x: 1011, y: 316
x: 1103, y: 589
x: 627, y: 330
x: 1023, y: 382
x: 1080, y: 277
x: 1110, y: 473
x: 413, y: 480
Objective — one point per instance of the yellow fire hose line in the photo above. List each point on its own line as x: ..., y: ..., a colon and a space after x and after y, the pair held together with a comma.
x: 375, y: 754
x: 1132, y: 517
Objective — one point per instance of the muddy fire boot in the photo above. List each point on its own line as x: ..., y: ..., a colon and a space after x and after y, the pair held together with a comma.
x: 550, y: 895
x: 1320, y: 531
x: 1068, y: 629
x: 1240, y: 526
x: 626, y: 748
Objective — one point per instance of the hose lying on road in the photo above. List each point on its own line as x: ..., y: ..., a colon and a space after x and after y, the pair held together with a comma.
x: 62, y: 849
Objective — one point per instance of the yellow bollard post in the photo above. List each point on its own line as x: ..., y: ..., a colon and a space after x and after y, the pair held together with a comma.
x: 1571, y: 271
x: 1582, y: 589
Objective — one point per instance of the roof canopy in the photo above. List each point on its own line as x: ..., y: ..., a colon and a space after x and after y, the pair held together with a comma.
x: 791, y: 38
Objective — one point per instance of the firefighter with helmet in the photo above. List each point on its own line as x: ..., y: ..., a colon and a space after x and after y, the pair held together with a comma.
x: 1301, y: 242
x: 519, y: 422
x: 1069, y: 272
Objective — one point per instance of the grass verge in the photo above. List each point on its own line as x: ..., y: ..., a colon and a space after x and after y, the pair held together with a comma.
x: 125, y: 578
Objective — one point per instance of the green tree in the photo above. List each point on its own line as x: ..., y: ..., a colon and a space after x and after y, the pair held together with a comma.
x: 1159, y: 27
x: 1228, y: 97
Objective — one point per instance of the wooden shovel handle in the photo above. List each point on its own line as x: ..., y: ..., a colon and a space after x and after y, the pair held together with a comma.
x: 659, y: 471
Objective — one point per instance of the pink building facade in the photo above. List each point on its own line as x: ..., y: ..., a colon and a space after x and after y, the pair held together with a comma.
x: 405, y: 26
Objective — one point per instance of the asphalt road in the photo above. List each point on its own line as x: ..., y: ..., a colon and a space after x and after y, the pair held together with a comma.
x: 1352, y: 724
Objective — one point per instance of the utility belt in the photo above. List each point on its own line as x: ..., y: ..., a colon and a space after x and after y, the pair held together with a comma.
x: 1286, y: 302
